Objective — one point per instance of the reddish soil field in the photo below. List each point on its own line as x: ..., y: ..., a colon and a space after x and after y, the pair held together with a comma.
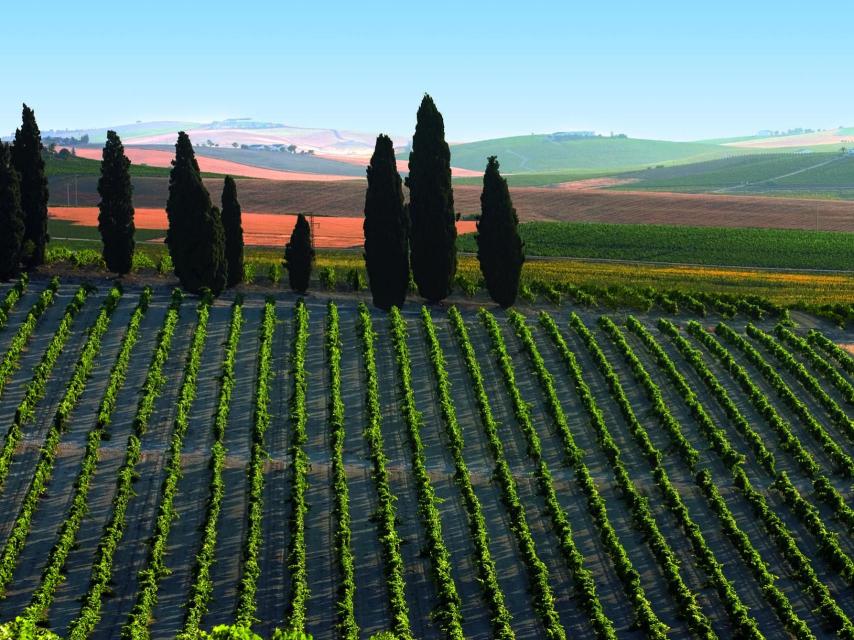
x: 347, y: 198
x: 154, y: 158
x: 259, y: 229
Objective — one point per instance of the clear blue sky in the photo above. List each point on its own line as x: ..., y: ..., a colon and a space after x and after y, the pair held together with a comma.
x: 650, y: 69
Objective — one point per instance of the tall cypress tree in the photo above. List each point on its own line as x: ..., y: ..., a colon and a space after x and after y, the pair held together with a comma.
x: 433, y: 232
x: 115, y: 218
x: 233, y: 224
x: 500, y: 250
x: 196, y: 238
x: 386, y: 229
x: 27, y: 160
x: 11, y: 215
x: 299, y: 255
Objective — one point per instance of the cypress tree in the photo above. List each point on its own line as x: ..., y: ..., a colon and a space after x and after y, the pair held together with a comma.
x: 299, y: 255
x: 233, y: 225
x: 500, y: 250
x: 27, y: 160
x: 433, y: 232
x: 386, y: 229
x: 196, y: 238
x: 115, y: 218
x: 11, y: 215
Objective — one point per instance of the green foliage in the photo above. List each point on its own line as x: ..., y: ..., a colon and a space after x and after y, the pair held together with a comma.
x: 299, y: 256
x: 779, y: 248
x: 433, y: 231
x: 274, y: 272
x: 233, y: 227
x: 328, y: 279
x: 346, y: 623
x: 28, y: 162
x: 115, y: 217
x: 251, y: 570
x: 11, y: 215
x: 356, y: 280
x: 500, y: 250
x: 386, y: 515
x: 196, y: 238
x: 386, y: 229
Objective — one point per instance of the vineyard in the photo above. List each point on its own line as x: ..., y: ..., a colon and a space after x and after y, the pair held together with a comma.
x: 168, y: 464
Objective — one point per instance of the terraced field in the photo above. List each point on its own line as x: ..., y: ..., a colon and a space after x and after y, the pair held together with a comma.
x: 169, y: 464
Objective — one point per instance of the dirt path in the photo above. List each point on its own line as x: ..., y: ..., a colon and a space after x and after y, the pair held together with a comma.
x: 194, y: 486
x: 274, y: 581
x: 323, y: 575
x: 132, y: 554
x: 231, y: 528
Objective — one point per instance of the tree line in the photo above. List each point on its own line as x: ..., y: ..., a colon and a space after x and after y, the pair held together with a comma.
x: 406, y: 243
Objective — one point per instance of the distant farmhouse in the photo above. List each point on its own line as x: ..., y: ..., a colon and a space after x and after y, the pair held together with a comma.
x: 571, y: 135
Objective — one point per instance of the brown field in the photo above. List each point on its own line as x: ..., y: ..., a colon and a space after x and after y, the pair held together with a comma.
x: 402, y: 165
x: 347, y: 198
x: 259, y: 229
x: 154, y: 158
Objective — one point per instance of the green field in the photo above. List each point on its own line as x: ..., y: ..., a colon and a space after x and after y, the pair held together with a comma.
x: 761, y: 173
x: 774, y: 248
x: 68, y: 231
x: 540, y: 153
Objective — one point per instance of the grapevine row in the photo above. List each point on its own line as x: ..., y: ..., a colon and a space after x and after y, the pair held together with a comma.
x: 202, y: 587
x: 251, y: 570
x: 737, y: 611
x: 102, y: 571
x: 745, y: 547
x: 67, y: 538
x: 387, y: 513
x: 12, y: 297
x: 44, y: 467
x: 805, y: 378
x: 488, y: 573
x: 629, y: 576
x: 348, y: 629
x: 833, y: 450
x: 788, y: 440
x: 25, y: 331
x: 778, y: 531
x: 300, y: 592
x: 802, y: 345
x: 447, y: 612
x: 538, y: 573
x: 823, y: 489
x: 833, y: 349
x: 37, y: 386
x: 136, y: 626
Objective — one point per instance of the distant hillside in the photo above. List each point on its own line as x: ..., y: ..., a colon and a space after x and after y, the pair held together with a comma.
x: 544, y: 153
x: 827, y: 175
x: 838, y: 137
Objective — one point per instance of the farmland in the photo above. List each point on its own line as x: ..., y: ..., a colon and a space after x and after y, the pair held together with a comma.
x: 775, y: 248
x: 171, y: 463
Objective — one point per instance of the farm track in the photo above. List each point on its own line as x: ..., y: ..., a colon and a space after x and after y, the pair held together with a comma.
x: 371, y: 595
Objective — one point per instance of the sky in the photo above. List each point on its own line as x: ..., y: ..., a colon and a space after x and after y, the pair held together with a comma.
x: 671, y: 70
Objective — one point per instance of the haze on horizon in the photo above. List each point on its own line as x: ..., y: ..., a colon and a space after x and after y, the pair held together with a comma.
x: 669, y: 71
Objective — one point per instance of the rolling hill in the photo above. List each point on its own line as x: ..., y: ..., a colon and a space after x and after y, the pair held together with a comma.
x: 546, y: 153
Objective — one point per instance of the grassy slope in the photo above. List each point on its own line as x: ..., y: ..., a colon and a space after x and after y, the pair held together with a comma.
x: 688, y: 245
x: 539, y: 154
